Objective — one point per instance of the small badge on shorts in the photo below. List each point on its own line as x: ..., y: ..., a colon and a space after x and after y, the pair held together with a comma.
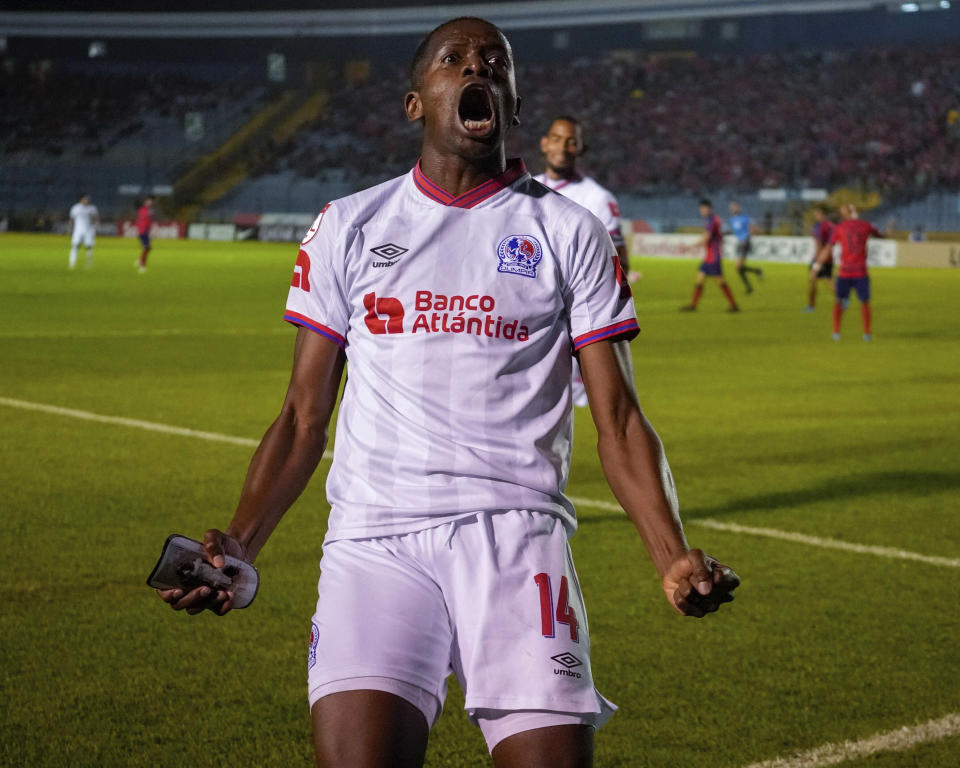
x: 312, y: 650
x: 519, y: 255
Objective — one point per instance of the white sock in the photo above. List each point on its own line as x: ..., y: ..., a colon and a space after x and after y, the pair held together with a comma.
x: 73, y: 257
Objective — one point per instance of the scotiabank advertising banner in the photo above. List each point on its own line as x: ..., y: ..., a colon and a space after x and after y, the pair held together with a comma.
x: 161, y: 230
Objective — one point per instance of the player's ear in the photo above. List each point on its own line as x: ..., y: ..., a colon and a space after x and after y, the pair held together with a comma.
x: 413, y: 106
x: 516, y: 112
x: 583, y: 150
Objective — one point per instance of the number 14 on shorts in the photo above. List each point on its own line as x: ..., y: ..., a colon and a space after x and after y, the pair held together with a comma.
x: 564, y: 614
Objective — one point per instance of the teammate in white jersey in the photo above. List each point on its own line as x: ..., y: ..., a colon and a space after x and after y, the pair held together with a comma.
x: 84, y: 219
x: 456, y: 294
x: 561, y: 146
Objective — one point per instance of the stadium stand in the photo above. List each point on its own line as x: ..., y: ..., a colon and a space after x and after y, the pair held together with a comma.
x: 68, y: 127
x: 667, y: 124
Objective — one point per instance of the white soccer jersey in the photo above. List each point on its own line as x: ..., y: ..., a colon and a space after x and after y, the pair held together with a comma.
x: 83, y: 217
x: 458, y: 317
x: 598, y: 200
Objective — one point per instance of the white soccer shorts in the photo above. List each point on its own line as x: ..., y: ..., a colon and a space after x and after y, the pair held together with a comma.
x: 492, y: 597
x: 83, y: 237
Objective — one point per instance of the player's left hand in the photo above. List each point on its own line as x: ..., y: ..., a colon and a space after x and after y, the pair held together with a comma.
x: 697, y: 584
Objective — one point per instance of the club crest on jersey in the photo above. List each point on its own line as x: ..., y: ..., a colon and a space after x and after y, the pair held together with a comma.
x: 519, y: 255
x: 312, y: 647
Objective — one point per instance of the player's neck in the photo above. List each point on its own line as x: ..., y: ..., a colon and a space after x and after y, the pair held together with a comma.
x: 562, y: 174
x: 458, y: 175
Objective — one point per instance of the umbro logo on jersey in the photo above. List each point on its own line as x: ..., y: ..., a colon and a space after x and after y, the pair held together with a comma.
x: 389, y: 253
x: 569, y: 661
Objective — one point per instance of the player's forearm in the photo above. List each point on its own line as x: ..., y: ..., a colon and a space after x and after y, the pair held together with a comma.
x: 278, y: 473
x: 637, y: 471
x: 624, y: 259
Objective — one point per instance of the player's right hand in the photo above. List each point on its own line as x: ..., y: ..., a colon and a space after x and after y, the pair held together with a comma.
x: 696, y: 584
x: 216, y: 544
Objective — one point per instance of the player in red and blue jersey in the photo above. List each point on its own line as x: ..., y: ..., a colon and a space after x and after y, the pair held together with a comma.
x: 144, y: 222
x: 712, y: 265
x: 852, y: 233
x: 822, y: 232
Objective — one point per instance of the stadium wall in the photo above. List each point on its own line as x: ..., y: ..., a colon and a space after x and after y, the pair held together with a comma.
x: 743, y: 28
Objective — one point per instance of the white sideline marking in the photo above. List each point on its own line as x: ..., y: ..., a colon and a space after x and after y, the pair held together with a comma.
x: 135, y: 333
x: 799, y: 538
x: 151, y: 426
x: 816, y: 541
x: 899, y: 740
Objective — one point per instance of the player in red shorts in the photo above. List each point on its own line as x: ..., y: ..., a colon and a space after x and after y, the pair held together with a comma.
x: 711, y: 265
x: 822, y: 232
x: 852, y: 233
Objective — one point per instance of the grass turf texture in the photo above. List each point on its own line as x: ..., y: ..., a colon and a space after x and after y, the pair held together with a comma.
x: 767, y: 422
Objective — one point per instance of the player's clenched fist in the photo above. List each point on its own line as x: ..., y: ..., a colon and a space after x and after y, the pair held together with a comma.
x: 697, y: 584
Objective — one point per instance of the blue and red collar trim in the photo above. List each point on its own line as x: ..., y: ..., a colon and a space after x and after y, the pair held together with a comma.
x: 514, y: 170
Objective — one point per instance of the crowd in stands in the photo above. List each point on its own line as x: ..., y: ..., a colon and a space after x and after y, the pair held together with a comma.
x: 883, y: 119
x: 55, y: 110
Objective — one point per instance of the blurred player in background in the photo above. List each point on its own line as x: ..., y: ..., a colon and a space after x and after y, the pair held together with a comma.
x: 84, y: 219
x: 852, y: 233
x: 822, y: 232
x: 561, y: 146
x: 712, y: 264
x: 144, y: 222
x: 743, y: 229
x: 447, y: 543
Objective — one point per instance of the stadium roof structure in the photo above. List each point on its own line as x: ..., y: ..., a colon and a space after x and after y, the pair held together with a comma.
x: 381, y: 20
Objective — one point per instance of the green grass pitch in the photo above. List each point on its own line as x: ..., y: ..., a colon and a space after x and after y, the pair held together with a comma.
x: 767, y: 423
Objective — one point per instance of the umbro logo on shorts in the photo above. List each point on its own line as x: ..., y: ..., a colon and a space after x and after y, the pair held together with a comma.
x: 389, y: 252
x: 569, y: 661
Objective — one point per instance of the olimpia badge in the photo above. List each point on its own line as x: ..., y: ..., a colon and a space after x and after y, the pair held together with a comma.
x: 519, y: 255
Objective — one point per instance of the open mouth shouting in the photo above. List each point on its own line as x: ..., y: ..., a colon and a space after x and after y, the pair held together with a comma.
x: 476, y: 110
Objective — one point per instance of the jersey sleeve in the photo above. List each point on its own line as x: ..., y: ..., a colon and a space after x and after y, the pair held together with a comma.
x: 599, y: 300
x: 317, y: 297
x: 610, y: 216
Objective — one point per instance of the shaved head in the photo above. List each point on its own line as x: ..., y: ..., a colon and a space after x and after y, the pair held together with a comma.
x: 421, y: 54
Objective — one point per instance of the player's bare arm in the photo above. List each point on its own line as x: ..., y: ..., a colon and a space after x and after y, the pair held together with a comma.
x: 281, y: 466
x: 823, y: 256
x: 636, y: 468
x: 624, y: 258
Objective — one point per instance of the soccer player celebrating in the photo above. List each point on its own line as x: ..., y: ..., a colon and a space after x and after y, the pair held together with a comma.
x: 144, y: 222
x: 561, y: 146
x: 822, y: 232
x: 852, y: 233
x: 84, y: 219
x: 712, y: 264
x: 446, y: 546
x: 743, y: 229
